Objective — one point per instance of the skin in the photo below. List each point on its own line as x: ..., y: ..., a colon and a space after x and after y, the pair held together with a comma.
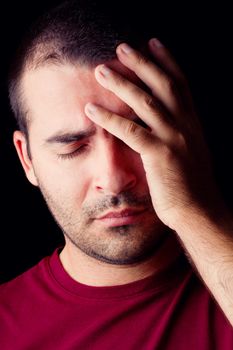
x: 176, y: 162
x: 167, y: 161
x: 114, y: 173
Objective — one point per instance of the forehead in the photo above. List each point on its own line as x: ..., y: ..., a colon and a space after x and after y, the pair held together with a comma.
x: 59, y: 93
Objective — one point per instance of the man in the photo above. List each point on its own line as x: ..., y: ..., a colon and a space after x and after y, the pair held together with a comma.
x: 109, y: 134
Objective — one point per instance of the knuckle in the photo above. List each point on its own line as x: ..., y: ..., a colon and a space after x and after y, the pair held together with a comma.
x: 131, y: 128
x: 142, y: 60
x: 178, y: 145
x: 108, y: 115
x: 182, y: 144
x: 168, y: 153
x: 134, y: 90
x: 180, y: 140
x: 148, y: 103
x: 119, y: 81
x: 136, y: 133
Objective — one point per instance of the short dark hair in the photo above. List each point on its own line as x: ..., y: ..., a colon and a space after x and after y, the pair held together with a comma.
x: 81, y: 31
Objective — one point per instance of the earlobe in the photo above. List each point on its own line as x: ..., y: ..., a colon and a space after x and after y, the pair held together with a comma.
x: 20, y: 143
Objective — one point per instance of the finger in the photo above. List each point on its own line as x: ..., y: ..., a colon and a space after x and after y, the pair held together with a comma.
x: 167, y: 61
x: 143, y: 104
x: 132, y: 134
x: 161, y: 84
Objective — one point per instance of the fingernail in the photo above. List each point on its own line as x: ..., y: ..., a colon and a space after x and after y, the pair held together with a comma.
x: 90, y: 108
x: 104, y: 70
x: 156, y: 43
x: 126, y: 48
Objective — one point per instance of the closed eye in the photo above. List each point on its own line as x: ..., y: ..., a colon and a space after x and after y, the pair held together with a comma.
x: 78, y: 151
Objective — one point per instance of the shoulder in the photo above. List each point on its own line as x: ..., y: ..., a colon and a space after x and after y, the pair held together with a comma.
x: 20, y: 299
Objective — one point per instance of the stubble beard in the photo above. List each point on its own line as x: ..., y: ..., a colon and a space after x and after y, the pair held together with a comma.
x: 121, y: 245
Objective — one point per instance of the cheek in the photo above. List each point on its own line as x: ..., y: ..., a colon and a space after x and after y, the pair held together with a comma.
x: 64, y: 179
x: 136, y: 162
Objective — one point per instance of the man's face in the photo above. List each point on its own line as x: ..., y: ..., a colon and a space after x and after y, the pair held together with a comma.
x: 93, y: 183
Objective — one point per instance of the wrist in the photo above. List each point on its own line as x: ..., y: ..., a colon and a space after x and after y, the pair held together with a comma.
x: 197, y: 218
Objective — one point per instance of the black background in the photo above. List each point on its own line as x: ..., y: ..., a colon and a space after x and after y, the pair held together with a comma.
x: 199, y: 35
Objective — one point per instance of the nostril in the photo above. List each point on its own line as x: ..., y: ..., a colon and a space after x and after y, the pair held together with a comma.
x: 116, y: 184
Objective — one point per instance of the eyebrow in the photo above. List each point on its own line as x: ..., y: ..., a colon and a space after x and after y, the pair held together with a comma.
x: 69, y: 137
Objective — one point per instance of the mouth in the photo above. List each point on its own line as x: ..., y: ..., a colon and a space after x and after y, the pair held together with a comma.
x: 121, y: 218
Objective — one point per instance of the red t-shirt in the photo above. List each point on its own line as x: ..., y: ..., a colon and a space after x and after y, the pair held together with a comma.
x: 45, y: 309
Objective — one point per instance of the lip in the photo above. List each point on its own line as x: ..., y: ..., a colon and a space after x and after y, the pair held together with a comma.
x: 121, y: 218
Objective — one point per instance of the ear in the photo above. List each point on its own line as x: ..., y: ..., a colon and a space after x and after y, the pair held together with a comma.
x: 20, y: 143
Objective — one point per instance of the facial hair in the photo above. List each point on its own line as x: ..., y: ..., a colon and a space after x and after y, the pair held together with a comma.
x: 120, y: 245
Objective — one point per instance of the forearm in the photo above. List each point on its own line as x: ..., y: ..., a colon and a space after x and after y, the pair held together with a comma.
x: 209, y: 243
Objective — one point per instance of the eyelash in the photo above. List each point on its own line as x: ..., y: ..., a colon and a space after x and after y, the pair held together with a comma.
x: 82, y: 148
x: 73, y: 154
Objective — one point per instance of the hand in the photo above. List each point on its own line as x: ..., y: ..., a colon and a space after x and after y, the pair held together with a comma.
x: 172, y: 148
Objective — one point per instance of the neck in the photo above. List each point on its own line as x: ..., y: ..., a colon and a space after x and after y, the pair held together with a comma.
x: 89, y: 271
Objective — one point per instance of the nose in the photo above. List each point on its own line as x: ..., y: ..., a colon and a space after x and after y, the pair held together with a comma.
x: 116, y: 169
